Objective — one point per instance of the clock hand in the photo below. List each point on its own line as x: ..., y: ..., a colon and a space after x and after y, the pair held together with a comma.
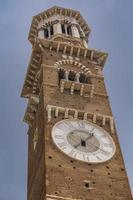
x: 90, y: 136
x: 92, y: 130
x: 77, y: 145
x: 83, y: 142
x: 98, y: 148
x: 73, y: 138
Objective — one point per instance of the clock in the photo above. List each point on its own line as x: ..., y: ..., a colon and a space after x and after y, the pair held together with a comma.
x: 83, y: 141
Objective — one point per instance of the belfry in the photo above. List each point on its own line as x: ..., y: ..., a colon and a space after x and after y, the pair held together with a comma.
x: 73, y: 148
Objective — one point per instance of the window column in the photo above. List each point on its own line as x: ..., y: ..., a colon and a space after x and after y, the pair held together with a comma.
x: 85, y: 43
x: 65, y: 26
x: 75, y: 31
x: 49, y: 31
x: 57, y: 27
x: 41, y: 33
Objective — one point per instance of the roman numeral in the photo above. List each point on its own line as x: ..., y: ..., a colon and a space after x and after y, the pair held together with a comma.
x: 73, y: 153
x: 81, y: 125
x: 69, y: 125
x: 107, y: 145
x: 106, y: 153
x: 102, y: 136
x: 98, y: 157
x: 59, y: 136
x: 85, y: 157
x: 62, y: 145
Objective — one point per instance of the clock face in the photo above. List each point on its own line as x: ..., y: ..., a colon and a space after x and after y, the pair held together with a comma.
x: 83, y: 140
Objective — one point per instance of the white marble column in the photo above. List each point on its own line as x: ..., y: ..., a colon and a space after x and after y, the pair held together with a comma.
x: 49, y: 34
x: 75, y: 31
x: 77, y: 77
x: 66, y: 75
x: 85, y: 43
x: 65, y: 25
x: 41, y: 33
x: 57, y: 28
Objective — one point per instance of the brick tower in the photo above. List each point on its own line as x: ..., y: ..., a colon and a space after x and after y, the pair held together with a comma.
x: 73, y: 150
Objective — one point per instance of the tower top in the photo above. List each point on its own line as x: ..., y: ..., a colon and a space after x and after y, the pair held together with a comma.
x: 65, y: 32
x: 56, y: 13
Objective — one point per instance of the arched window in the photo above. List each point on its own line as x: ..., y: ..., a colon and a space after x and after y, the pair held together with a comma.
x: 69, y: 30
x: 71, y: 76
x: 61, y: 74
x: 51, y: 30
x: 63, y: 28
x: 82, y: 78
x: 46, y: 33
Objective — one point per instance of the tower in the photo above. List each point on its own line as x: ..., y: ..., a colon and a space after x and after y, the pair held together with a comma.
x: 73, y: 150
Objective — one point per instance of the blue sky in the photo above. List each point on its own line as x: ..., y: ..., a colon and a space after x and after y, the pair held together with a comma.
x: 112, y: 31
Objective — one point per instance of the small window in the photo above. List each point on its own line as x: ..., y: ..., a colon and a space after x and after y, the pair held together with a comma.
x: 51, y: 30
x: 71, y: 76
x: 46, y: 33
x: 63, y: 28
x: 69, y: 30
x: 61, y: 74
x: 87, y: 184
x: 82, y: 78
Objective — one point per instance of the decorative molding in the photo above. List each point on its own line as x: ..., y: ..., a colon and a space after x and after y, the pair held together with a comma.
x: 55, y: 197
x: 36, y: 84
x: 72, y: 62
x: 58, y: 66
x: 66, y: 39
x: 74, y: 113
x: 35, y: 61
x: 98, y: 59
x: 33, y: 68
x: 31, y: 109
x: 45, y: 16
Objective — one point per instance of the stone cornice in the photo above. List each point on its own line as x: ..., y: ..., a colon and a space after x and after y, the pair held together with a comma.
x: 58, y: 11
x: 31, y: 109
x: 33, y: 68
x: 95, y: 57
x: 55, y: 197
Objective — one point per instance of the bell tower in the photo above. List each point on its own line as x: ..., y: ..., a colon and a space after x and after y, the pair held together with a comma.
x: 73, y: 149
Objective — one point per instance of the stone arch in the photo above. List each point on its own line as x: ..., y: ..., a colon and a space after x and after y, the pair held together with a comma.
x: 73, y: 75
x: 72, y: 62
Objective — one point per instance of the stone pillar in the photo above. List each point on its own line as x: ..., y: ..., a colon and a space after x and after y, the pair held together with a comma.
x: 66, y: 75
x: 49, y: 34
x: 57, y: 28
x: 41, y: 33
x: 85, y: 43
x: 65, y: 25
x: 75, y: 31
x: 77, y: 77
